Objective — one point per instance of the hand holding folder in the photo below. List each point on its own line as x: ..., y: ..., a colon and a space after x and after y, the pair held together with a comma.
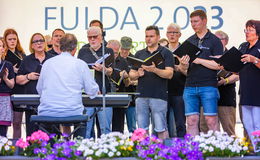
x: 118, y: 76
x: 108, y: 58
x: 156, y: 58
x: 231, y: 60
x: 187, y: 48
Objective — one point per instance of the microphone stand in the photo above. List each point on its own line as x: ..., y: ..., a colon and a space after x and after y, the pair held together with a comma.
x: 103, y: 72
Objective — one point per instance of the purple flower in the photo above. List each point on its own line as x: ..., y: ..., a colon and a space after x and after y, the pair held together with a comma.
x: 44, y: 150
x: 65, y: 135
x: 78, y: 153
x: 52, y: 135
x: 51, y: 157
x: 44, y: 143
x: 57, y: 145
x: 66, y: 152
x: 54, y: 151
x: 36, y: 150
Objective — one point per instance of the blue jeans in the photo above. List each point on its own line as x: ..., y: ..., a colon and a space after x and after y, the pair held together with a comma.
x: 104, y: 118
x: 130, y: 118
x: 194, y: 97
x: 176, y: 116
x: 158, y: 109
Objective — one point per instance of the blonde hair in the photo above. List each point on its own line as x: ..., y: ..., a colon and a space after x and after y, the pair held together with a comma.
x: 30, y: 45
x: 3, y: 41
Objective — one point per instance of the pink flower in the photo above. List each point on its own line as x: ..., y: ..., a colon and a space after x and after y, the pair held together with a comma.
x: 21, y: 143
x: 139, y: 135
x: 39, y: 136
x: 256, y: 133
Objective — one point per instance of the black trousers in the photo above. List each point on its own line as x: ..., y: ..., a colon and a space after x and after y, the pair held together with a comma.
x: 118, y: 120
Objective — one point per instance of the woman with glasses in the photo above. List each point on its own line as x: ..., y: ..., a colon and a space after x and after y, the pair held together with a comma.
x: 6, y: 85
x: 250, y: 78
x: 15, y: 54
x: 29, y: 72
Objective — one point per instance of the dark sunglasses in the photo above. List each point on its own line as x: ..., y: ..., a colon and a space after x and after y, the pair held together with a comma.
x: 40, y: 40
x: 94, y: 37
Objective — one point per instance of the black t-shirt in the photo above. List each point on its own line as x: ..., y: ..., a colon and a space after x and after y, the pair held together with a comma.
x: 86, y: 55
x: 250, y: 77
x: 52, y: 52
x: 151, y: 85
x: 18, y: 89
x: 30, y: 64
x: 3, y: 87
x: 198, y: 75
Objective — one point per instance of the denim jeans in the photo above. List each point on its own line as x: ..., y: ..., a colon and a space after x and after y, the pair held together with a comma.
x: 176, y: 116
x: 130, y: 118
x: 251, y: 120
x: 194, y: 97
x: 158, y: 109
x: 104, y: 118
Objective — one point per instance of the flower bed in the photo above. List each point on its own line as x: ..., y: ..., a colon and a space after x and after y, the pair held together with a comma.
x: 125, y: 147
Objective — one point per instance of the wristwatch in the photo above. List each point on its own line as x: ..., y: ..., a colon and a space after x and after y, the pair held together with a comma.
x: 256, y: 61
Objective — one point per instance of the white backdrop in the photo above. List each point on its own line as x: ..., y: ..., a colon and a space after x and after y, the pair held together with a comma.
x: 124, y: 17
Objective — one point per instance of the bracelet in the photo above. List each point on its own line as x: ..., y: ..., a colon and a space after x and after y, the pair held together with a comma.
x: 227, y: 81
x: 27, y: 77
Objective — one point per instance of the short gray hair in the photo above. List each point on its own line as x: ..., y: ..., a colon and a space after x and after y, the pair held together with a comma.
x: 68, y: 43
x: 222, y: 34
x: 113, y: 42
x: 95, y: 29
x: 174, y: 25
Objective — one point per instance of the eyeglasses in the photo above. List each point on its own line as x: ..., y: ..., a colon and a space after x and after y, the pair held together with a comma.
x: 249, y: 30
x: 38, y: 41
x: 94, y: 37
x: 173, y: 32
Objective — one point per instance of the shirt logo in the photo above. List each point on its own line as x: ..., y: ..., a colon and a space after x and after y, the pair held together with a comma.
x: 259, y: 50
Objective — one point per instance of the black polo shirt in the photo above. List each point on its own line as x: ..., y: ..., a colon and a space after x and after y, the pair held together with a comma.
x: 29, y: 64
x: 151, y: 85
x: 198, y: 75
x: 86, y: 55
x: 3, y: 87
x: 18, y: 89
x: 250, y: 77
x: 52, y: 52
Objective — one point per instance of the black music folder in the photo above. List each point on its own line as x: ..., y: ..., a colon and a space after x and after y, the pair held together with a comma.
x: 231, y: 60
x: 116, y: 78
x: 14, y: 59
x: 187, y: 48
x: 39, y: 68
x: 157, y: 58
x: 223, y: 73
x: 2, y: 69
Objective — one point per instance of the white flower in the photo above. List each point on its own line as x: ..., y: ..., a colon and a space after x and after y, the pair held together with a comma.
x: 4, y: 140
x: 9, y: 143
x: 7, y: 147
x: 211, y: 149
x: 118, y: 153
x: 222, y: 147
x: 111, y: 154
x: 245, y: 148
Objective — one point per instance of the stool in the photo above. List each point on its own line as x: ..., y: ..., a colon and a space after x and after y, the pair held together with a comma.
x: 80, y: 120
